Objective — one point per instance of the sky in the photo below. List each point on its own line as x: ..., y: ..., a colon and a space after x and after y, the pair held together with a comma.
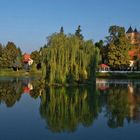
x: 27, y: 23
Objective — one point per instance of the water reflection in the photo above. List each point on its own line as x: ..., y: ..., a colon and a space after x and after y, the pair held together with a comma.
x: 65, y: 109
x: 11, y: 89
x: 10, y: 92
x: 122, y: 101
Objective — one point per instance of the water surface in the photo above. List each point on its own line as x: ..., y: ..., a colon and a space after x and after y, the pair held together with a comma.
x: 108, y: 110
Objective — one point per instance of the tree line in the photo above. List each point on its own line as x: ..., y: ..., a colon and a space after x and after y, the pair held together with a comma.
x: 72, y: 59
x: 69, y: 58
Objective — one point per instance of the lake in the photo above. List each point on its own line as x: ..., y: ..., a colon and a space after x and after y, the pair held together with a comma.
x: 108, y: 110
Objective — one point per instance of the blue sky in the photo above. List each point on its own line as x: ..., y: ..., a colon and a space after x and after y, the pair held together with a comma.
x: 29, y: 22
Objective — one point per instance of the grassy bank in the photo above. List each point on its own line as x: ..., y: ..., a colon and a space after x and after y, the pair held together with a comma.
x: 110, y: 75
x: 20, y: 73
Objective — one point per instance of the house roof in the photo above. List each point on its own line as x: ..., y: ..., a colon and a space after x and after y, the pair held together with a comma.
x: 26, y: 57
x: 130, y: 30
x: 103, y: 66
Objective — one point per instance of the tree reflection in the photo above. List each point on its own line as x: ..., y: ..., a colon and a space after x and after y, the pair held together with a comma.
x: 10, y: 92
x: 38, y: 88
x: 117, y: 106
x: 122, y: 103
x: 64, y: 109
x: 12, y: 89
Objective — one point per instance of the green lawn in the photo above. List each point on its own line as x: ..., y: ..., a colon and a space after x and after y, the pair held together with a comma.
x: 10, y: 72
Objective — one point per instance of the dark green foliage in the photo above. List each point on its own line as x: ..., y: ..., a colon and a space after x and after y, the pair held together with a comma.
x: 62, y: 30
x: 69, y: 59
x: 99, y: 44
x: 17, y: 64
x: 103, y: 51
x: 78, y: 33
x: 35, y: 55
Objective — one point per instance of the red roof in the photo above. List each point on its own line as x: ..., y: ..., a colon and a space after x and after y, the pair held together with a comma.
x: 133, y: 53
x: 26, y: 57
x: 104, y: 66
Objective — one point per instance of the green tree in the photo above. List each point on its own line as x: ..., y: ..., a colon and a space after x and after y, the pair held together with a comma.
x: 9, y: 55
x: 103, y: 50
x: 35, y: 55
x: 118, y: 47
x: 99, y: 44
x: 62, y: 30
x: 78, y: 33
x: 70, y: 60
x: 18, y: 63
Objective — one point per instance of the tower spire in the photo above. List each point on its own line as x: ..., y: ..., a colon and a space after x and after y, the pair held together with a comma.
x: 135, y: 30
x: 130, y: 30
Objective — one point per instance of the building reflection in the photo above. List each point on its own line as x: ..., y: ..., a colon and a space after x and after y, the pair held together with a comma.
x: 134, y: 101
x: 27, y: 85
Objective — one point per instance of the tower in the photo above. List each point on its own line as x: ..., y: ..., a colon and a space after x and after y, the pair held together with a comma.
x: 133, y: 36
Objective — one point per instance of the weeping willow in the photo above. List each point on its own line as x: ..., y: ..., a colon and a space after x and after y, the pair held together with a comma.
x: 69, y: 59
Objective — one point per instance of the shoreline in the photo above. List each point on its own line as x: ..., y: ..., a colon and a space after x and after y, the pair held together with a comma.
x: 20, y: 73
x: 118, y: 75
x: 107, y: 76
